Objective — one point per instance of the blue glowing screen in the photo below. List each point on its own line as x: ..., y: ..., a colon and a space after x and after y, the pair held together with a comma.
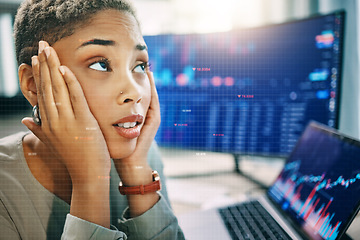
x: 249, y: 91
x: 320, y: 183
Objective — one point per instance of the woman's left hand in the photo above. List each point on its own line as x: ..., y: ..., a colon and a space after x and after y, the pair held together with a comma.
x: 134, y: 169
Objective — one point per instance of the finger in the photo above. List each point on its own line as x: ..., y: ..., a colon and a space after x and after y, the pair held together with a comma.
x: 48, y: 104
x: 36, y: 74
x: 152, y: 120
x: 59, y: 88
x: 33, y: 127
x: 77, y: 97
x: 154, y: 104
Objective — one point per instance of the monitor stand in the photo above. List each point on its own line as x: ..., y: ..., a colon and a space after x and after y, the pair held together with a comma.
x: 237, y: 159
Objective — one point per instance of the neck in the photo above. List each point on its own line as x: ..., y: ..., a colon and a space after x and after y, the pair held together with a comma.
x: 47, y: 167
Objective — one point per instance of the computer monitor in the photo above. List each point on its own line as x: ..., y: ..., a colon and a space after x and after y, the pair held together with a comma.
x: 249, y: 91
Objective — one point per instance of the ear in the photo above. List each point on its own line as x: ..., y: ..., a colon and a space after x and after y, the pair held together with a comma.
x: 27, y: 83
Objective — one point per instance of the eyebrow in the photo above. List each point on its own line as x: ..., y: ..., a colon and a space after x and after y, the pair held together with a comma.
x: 103, y: 42
x: 98, y: 42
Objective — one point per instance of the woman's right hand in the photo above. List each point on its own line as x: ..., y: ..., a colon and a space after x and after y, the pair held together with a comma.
x: 69, y: 129
x: 67, y: 125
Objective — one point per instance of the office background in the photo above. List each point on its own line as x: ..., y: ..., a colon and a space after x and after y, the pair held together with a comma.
x: 199, y: 16
x: 207, y: 175
x: 179, y: 16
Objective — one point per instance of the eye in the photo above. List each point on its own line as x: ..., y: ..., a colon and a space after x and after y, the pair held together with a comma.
x: 141, y: 68
x: 101, y: 65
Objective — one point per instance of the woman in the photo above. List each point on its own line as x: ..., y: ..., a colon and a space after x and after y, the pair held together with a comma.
x: 84, y: 68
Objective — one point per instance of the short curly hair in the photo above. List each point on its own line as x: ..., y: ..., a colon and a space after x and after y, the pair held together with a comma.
x: 52, y: 20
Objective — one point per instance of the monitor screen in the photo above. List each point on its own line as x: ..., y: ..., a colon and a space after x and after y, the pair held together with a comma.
x: 249, y: 91
x: 319, y: 184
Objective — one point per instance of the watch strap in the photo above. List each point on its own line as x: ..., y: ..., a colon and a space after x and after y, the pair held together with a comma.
x: 142, y: 189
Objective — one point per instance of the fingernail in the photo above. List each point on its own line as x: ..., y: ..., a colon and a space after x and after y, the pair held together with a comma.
x: 34, y: 60
x: 41, y: 46
x: 62, y: 70
x: 47, y: 52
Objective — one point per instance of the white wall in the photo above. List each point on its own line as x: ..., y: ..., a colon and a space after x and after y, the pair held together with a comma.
x: 189, y: 16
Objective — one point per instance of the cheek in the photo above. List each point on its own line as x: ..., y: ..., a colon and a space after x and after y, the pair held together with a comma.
x: 96, y: 97
x: 99, y: 101
x: 94, y: 90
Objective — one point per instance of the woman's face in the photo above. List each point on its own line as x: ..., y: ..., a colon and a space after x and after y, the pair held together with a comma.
x: 109, y: 58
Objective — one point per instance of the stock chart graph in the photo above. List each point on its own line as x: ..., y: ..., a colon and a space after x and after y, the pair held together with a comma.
x: 320, y: 185
x: 314, y: 209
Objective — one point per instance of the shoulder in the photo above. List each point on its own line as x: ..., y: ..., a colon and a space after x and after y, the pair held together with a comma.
x: 12, y: 160
x: 154, y: 150
x: 22, y: 197
x: 154, y: 156
x: 11, y: 147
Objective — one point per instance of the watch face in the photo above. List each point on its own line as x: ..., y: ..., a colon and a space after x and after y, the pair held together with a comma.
x: 156, y: 176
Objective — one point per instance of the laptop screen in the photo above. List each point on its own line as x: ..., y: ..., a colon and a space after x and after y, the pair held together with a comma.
x: 319, y: 186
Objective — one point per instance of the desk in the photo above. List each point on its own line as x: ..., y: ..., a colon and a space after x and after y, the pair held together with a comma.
x: 202, y: 180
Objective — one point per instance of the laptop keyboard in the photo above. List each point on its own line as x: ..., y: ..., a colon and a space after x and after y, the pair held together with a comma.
x: 250, y: 220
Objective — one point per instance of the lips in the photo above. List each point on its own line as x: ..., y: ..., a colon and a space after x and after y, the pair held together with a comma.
x: 129, y: 127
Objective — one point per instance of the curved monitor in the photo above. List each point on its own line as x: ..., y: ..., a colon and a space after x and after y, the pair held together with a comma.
x: 249, y: 91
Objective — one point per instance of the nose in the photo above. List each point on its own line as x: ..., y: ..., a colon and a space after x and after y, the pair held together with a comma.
x: 130, y: 91
x: 132, y: 100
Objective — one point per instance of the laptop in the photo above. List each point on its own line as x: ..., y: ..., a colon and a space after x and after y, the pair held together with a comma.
x: 316, y: 196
